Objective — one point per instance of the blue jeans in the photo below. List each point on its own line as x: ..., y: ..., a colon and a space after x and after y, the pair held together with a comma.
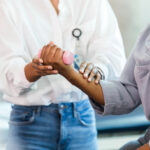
x: 65, y: 126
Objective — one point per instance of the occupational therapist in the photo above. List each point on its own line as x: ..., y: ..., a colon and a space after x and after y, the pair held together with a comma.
x: 48, y: 111
x: 121, y: 96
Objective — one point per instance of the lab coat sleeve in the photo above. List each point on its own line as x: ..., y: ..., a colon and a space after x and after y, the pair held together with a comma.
x: 106, y: 46
x: 12, y: 56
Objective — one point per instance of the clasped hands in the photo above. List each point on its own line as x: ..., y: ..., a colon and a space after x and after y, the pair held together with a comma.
x: 51, y: 63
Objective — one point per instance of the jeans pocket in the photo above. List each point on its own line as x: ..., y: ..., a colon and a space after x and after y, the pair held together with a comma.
x: 86, y: 117
x: 21, y: 115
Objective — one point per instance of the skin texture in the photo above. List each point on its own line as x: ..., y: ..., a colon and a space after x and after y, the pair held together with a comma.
x: 55, y: 4
x: 33, y: 71
x: 52, y: 56
x: 87, y: 70
x: 144, y: 147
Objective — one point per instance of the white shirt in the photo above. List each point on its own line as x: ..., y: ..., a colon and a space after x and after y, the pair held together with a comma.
x: 27, y: 25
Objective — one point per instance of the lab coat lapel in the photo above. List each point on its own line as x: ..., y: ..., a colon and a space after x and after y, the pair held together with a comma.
x: 51, y: 13
x: 82, y: 10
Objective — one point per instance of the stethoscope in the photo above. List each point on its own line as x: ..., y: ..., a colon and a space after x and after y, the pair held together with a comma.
x: 77, y: 33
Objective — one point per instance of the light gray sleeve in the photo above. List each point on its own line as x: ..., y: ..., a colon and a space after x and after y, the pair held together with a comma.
x: 133, y: 87
x: 119, y: 98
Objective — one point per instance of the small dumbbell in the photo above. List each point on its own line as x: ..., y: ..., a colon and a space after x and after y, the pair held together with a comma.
x: 68, y: 57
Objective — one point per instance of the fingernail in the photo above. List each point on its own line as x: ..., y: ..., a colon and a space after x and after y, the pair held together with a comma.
x: 96, y: 82
x: 41, y: 61
x: 89, y: 79
x: 50, y: 67
x: 55, y: 71
x: 81, y: 71
x: 85, y: 75
x: 51, y: 42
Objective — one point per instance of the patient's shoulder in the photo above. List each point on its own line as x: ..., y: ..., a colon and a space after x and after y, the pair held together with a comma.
x: 142, y: 48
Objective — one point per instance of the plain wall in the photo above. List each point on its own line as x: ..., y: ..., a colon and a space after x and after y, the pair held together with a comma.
x: 133, y: 16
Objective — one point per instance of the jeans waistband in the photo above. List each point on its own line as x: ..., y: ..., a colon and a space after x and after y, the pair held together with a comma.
x: 61, y: 106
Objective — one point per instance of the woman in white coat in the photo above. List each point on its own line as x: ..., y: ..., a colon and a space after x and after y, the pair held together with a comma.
x: 48, y: 112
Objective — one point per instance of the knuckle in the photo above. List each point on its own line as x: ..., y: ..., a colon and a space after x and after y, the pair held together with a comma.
x: 34, y: 65
x: 39, y: 67
x: 53, y: 47
x: 57, y: 48
x: 46, y: 60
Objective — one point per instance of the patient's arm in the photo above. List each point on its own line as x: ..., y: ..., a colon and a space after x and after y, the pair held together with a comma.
x: 52, y: 55
x: 93, y: 90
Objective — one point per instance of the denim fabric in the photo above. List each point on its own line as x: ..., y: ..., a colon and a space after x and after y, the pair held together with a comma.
x: 65, y: 126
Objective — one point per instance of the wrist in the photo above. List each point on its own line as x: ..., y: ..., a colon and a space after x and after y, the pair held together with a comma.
x: 69, y: 73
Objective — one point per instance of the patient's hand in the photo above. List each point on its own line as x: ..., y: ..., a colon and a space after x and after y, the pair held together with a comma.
x: 90, y: 72
x: 144, y: 147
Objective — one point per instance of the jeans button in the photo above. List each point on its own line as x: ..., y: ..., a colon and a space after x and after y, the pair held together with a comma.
x: 62, y: 106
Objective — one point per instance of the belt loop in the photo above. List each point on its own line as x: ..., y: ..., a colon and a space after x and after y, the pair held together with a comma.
x: 38, y: 110
x: 74, y: 110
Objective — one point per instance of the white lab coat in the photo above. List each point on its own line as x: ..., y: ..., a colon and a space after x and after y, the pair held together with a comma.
x: 27, y: 25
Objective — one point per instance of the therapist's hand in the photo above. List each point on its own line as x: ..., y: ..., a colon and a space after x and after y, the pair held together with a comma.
x: 90, y: 72
x: 35, y: 70
x: 144, y: 147
x: 53, y: 56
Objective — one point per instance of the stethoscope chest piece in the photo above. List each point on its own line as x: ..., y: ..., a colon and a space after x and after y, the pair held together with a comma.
x: 77, y: 33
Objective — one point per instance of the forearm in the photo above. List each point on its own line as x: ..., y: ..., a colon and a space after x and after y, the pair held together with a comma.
x: 93, y: 90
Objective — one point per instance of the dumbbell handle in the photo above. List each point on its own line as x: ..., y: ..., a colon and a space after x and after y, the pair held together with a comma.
x: 68, y: 57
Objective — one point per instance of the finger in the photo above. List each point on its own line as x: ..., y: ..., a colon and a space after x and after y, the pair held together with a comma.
x: 82, y: 67
x: 98, y: 78
x: 92, y: 73
x: 45, y: 54
x: 41, y: 67
x: 88, y: 70
x: 51, y: 43
x: 59, y: 54
x: 52, y: 51
x: 37, y: 60
x: 42, y: 52
x: 53, y: 72
x: 91, y: 77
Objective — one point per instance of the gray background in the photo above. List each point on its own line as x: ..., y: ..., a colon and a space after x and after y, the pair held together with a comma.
x: 133, y: 16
